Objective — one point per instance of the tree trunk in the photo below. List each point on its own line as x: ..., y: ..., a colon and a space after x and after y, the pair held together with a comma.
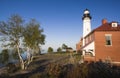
x: 39, y: 49
x: 32, y: 55
x: 20, y: 59
x: 29, y: 57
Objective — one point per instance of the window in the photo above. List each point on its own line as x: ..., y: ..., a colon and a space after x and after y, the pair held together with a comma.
x: 114, y: 24
x: 108, y: 39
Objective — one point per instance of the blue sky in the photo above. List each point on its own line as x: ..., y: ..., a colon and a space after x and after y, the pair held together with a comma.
x: 61, y: 19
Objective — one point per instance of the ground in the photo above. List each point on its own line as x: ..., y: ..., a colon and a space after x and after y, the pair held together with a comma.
x: 64, y: 65
x: 40, y: 63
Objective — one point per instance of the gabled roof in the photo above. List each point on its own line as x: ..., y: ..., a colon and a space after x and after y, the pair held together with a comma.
x: 103, y: 27
x: 107, y: 27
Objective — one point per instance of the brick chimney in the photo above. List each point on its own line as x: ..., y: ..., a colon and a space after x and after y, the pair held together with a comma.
x: 104, y: 21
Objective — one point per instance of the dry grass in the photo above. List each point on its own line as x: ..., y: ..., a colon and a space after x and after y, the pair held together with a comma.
x: 66, y: 66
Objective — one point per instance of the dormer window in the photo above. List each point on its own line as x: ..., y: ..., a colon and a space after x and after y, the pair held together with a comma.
x: 114, y: 24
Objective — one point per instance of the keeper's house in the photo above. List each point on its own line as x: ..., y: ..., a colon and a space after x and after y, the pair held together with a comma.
x: 102, y: 43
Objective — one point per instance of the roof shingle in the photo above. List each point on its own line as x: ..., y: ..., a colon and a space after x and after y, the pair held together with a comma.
x: 107, y: 27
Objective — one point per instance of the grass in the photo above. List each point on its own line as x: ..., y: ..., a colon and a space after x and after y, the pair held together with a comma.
x: 84, y: 70
x: 65, y: 65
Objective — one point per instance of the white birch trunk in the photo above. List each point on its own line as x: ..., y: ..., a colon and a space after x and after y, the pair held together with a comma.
x: 28, y: 55
x: 21, y: 59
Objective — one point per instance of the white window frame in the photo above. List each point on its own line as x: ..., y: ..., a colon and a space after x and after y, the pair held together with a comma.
x: 110, y: 35
x: 114, y: 24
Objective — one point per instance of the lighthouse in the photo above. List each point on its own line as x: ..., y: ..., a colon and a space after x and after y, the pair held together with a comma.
x: 86, y: 24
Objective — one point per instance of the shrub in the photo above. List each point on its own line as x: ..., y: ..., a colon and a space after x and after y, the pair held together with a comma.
x: 50, y: 49
x: 84, y: 70
x: 11, y: 68
x: 5, y: 56
x: 78, y: 71
x: 54, y: 70
x: 4, y: 75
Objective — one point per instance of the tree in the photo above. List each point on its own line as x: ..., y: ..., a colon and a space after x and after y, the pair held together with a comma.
x: 33, y: 37
x: 15, y: 54
x: 59, y: 49
x: 5, y: 56
x: 13, y: 29
x: 64, y: 46
x: 16, y: 31
x: 50, y: 49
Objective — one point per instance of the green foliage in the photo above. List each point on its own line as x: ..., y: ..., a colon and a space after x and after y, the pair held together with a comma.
x: 64, y: 46
x: 13, y: 29
x: 33, y: 35
x: 50, y: 49
x: 0, y: 57
x: 15, y: 54
x: 59, y: 49
x: 5, y: 56
x: 16, y: 31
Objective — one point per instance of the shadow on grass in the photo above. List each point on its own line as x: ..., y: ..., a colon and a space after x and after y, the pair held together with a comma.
x: 45, y: 69
x: 37, y: 66
x: 84, y: 70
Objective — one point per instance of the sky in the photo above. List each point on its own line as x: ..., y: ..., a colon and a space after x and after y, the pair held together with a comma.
x: 61, y: 19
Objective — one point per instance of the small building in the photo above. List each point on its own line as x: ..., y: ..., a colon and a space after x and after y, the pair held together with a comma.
x: 102, y: 43
x: 79, y: 45
x: 69, y: 49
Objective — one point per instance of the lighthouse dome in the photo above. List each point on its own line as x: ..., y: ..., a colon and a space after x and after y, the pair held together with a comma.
x: 86, y: 11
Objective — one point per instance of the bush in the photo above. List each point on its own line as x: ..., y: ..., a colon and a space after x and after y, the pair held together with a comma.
x: 102, y: 70
x: 84, y: 70
x: 11, y: 68
x: 78, y: 71
x: 50, y: 49
x: 5, y: 56
x: 4, y: 75
x: 54, y: 70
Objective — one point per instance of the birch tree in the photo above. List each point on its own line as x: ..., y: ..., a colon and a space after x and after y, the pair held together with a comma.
x: 13, y: 28
x: 33, y: 38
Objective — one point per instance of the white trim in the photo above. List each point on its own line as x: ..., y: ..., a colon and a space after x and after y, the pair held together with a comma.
x: 114, y: 24
x: 110, y: 35
x: 89, y: 47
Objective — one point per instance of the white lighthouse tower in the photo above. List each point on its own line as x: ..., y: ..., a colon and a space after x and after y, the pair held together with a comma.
x: 86, y: 24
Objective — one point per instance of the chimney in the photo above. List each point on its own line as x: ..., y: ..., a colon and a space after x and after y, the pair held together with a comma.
x: 104, y: 21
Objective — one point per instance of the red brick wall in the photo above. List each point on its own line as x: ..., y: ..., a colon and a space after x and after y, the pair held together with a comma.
x: 89, y: 59
x: 79, y: 45
x: 102, y: 51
